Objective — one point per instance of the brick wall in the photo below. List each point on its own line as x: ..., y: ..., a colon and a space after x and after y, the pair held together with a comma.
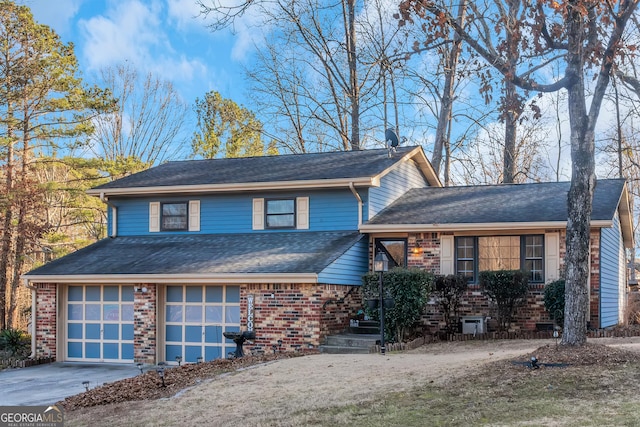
x: 291, y: 316
x: 46, y: 324
x: 424, y: 252
x: 144, y: 323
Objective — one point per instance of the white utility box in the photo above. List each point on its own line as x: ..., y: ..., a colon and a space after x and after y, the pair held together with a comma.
x: 473, y: 325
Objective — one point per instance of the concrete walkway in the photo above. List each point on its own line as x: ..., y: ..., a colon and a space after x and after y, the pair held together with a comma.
x: 48, y: 384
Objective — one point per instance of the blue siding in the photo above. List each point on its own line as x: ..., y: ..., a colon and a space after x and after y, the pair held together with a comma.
x: 232, y: 213
x: 612, y: 275
x: 402, y: 178
x: 349, y: 268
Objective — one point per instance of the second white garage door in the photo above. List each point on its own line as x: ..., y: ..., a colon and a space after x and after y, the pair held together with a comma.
x: 196, y: 317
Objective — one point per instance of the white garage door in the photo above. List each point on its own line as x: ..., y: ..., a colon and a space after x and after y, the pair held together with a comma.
x: 100, y: 323
x: 196, y: 317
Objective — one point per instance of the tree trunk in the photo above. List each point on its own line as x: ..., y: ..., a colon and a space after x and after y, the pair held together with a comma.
x: 511, y: 105
x: 352, y: 60
x: 510, y: 133
x: 446, y: 101
x: 579, y: 199
x: 7, y: 231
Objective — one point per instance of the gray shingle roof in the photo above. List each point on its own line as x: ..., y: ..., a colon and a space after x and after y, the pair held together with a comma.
x: 496, y: 204
x: 292, y: 167
x: 290, y: 252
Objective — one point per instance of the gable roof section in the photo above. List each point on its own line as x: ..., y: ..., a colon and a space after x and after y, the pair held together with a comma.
x: 498, y: 206
x: 292, y: 257
x: 317, y: 170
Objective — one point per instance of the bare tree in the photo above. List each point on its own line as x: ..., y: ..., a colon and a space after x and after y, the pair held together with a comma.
x: 580, y: 34
x: 318, y: 71
x: 146, y: 123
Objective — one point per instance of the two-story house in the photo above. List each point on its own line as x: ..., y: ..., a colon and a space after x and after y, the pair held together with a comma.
x: 278, y: 245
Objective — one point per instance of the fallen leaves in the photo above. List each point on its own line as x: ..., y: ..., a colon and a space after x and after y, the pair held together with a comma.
x: 149, y: 384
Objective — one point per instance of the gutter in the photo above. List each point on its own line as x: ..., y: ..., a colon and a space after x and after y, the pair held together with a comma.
x: 178, y: 278
x: 34, y: 317
x: 114, y: 214
x: 359, y: 199
x: 489, y: 226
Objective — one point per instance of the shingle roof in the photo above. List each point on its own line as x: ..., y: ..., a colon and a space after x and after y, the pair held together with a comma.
x: 290, y: 252
x: 292, y: 167
x: 538, y: 202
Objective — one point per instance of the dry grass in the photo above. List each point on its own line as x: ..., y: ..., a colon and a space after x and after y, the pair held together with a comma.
x: 463, y: 384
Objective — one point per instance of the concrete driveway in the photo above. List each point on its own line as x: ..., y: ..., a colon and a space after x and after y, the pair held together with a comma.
x: 47, y: 384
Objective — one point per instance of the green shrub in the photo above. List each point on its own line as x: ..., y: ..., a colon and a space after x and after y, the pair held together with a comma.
x: 14, y: 341
x: 448, y: 291
x: 409, y: 288
x: 507, y: 290
x: 554, y: 301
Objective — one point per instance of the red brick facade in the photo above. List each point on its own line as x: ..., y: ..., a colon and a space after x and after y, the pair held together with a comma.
x: 424, y: 252
x: 46, y: 320
x: 145, y: 309
x: 288, y: 316
x: 291, y: 316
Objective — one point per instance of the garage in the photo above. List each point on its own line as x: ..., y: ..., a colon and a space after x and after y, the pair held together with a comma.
x: 99, y: 325
x: 196, y: 318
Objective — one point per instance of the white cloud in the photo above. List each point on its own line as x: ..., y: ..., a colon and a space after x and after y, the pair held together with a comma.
x: 135, y: 31
x: 185, y: 14
x: 56, y: 14
x: 126, y: 32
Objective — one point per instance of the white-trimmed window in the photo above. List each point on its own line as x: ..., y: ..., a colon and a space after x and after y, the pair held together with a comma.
x: 174, y: 216
x: 490, y: 253
x: 280, y: 213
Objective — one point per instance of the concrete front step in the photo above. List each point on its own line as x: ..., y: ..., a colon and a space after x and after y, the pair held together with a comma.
x: 366, y: 327
x: 349, y: 343
x: 364, y: 330
x: 336, y: 349
x: 352, y: 340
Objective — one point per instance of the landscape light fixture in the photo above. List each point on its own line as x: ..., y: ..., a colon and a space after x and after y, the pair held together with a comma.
x: 199, y: 359
x: 160, y: 371
x: 86, y: 385
x: 179, y: 360
x: 380, y: 265
x: 534, y: 363
x: 139, y: 365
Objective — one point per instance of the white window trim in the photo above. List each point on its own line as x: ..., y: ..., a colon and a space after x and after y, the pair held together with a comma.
x: 301, y: 213
x: 193, y: 216
x: 154, y: 217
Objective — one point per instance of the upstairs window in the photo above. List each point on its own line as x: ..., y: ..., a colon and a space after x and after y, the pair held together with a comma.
x: 280, y: 213
x: 175, y: 216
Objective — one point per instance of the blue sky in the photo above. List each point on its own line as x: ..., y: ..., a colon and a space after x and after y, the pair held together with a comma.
x: 165, y: 37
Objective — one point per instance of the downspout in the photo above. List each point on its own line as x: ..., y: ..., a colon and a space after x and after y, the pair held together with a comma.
x: 114, y: 214
x: 34, y: 317
x: 359, y: 199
